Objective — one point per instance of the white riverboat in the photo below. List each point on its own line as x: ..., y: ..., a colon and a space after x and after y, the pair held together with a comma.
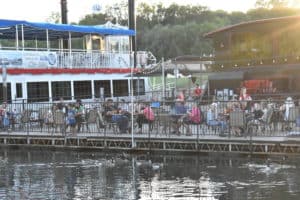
x: 42, y: 62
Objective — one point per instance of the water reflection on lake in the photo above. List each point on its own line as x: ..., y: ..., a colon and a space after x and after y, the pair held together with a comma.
x: 46, y: 174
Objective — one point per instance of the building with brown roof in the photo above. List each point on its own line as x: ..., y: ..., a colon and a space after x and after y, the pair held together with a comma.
x: 267, y: 52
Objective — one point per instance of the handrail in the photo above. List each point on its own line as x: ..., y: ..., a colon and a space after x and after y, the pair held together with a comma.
x: 76, y: 58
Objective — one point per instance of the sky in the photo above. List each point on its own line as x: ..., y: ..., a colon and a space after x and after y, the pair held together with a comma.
x: 40, y: 10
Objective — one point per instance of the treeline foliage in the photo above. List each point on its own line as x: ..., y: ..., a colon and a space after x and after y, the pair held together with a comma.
x: 178, y: 30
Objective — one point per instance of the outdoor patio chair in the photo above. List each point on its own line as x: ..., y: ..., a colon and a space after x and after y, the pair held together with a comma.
x: 237, y: 121
x: 164, y: 120
x: 90, y: 119
x: 42, y: 115
x: 59, y: 121
x: 25, y: 119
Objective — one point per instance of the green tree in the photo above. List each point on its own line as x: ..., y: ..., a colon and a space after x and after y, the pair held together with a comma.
x: 271, y: 3
x: 94, y: 19
x: 54, y: 17
x: 178, y: 30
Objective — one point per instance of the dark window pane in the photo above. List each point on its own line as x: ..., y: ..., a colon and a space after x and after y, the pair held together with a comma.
x: 138, y: 87
x: 19, y: 90
x: 8, y: 92
x: 82, y: 89
x: 61, y: 89
x: 38, y: 91
x: 120, y: 88
x: 102, y: 84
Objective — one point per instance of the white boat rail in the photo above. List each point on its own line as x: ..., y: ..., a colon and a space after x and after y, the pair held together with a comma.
x: 55, y: 58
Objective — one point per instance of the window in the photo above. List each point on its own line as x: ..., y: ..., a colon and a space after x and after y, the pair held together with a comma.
x: 96, y: 44
x: 19, y: 90
x: 138, y: 87
x: 38, y: 91
x: 102, y: 84
x: 8, y: 92
x: 120, y: 88
x: 61, y: 89
x: 82, y: 89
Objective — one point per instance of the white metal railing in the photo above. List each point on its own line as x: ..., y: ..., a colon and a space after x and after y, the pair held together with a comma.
x: 168, y: 86
x: 55, y: 58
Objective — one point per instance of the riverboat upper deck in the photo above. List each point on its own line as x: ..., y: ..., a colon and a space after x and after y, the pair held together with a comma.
x: 83, y: 59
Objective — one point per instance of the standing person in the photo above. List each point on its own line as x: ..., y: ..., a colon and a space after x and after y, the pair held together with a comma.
x: 145, y: 116
x: 71, y: 115
x: 79, y: 114
x: 61, y: 104
x: 245, y: 99
x: 244, y: 96
x: 197, y: 92
x: 285, y: 108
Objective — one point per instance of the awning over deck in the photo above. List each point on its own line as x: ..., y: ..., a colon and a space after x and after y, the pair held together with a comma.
x: 37, y: 30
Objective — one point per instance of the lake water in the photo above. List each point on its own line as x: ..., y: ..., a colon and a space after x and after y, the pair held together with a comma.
x: 47, y: 174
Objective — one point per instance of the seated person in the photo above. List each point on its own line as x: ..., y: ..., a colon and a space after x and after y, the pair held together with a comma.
x: 257, y: 112
x: 109, y: 109
x: 256, y: 115
x: 146, y: 115
x: 122, y: 120
x: 213, y: 120
x: 194, y: 117
x: 124, y: 108
x: 195, y: 114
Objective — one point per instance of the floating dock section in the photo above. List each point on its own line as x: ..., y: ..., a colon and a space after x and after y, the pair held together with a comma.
x: 204, y: 144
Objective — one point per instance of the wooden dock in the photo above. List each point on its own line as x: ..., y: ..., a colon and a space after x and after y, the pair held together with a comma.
x: 157, y: 142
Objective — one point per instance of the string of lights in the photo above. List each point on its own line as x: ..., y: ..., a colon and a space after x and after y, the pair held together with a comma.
x: 256, y: 62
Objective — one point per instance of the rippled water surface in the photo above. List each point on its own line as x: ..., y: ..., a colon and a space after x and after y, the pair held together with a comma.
x: 46, y: 174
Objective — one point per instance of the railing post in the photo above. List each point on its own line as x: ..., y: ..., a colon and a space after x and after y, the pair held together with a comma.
x: 197, y: 148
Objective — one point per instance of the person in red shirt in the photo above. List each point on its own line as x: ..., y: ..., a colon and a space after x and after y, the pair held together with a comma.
x: 197, y: 92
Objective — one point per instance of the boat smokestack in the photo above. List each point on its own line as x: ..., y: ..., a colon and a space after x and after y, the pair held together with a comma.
x: 64, y: 11
x: 132, y: 26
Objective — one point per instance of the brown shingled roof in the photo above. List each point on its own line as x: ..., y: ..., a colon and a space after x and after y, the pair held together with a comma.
x: 245, y: 24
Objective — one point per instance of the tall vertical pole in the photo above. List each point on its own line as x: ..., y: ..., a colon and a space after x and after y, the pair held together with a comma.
x: 64, y: 18
x: 163, y: 79
x: 4, y: 82
x: 47, y: 40
x: 23, y: 41
x: 17, y: 38
x: 132, y: 26
x: 64, y: 11
x: 131, y: 22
